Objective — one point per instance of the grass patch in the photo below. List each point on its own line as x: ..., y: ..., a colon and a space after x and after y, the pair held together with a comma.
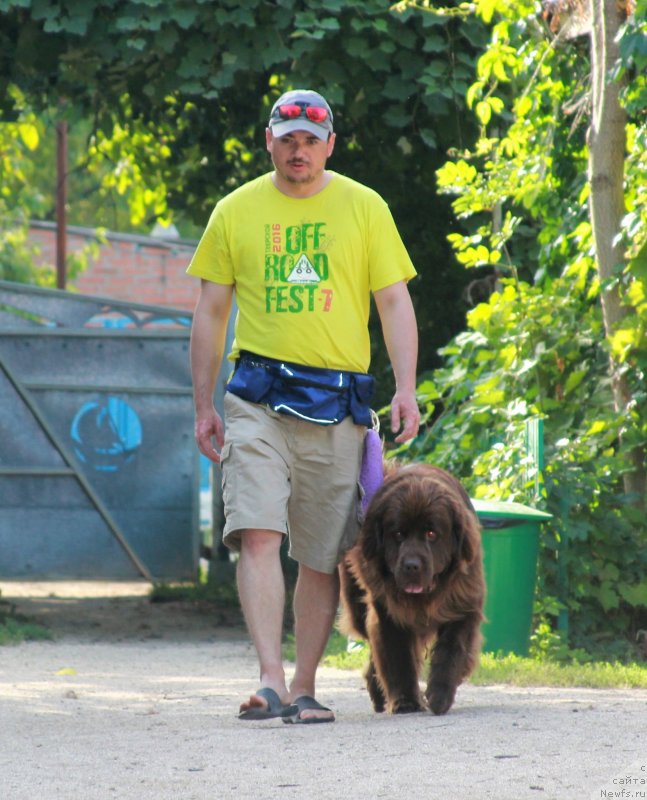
x: 510, y: 670
x: 518, y: 671
x: 223, y: 594
x: 14, y: 628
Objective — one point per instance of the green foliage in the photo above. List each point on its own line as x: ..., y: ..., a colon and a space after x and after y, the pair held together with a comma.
x: 234, y: 61
x: 632, y: 69
x: 23, y: 196
x: 132, y: 163
x: 18, y: 199
x: 14, y: 628
x: 179, y: 94
x: 548, y: 644
x: 528, y: 352
x: 537, y: 346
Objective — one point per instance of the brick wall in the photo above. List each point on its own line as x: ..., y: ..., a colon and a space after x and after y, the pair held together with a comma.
x: 139, y: 269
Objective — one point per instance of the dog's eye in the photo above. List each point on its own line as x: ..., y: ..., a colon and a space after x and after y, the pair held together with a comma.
x: 431, y: 535
x: 397, y: 536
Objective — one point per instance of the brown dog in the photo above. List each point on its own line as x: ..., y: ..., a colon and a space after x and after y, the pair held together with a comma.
x: 414, y: 581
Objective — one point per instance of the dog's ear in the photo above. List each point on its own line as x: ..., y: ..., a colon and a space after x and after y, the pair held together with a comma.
x: 371, y: 537
x: 467, y: 535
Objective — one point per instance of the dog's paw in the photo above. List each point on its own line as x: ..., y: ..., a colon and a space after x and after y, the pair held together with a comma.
x: 378, y: 706
x: 441, y: 699
x: 405, y: 707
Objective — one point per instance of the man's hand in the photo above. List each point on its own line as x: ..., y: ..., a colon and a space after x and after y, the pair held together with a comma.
x: 405, y: 415
x: 209, y: 427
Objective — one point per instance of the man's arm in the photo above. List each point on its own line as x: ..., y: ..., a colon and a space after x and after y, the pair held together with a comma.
x: 400, y: 333
x: 208, y: 334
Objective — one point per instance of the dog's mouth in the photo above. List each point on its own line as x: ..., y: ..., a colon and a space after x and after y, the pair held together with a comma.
x: 414, y: 588
x: 418, y: 588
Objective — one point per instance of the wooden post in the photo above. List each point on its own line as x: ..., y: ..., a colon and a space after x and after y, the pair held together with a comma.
x: 61, y: 200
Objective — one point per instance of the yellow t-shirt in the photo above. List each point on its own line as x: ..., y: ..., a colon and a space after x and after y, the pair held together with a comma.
x: 303, y: 269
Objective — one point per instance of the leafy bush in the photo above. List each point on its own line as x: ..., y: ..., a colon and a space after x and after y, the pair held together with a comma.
x: 529, y: 353
x: 537, y: 345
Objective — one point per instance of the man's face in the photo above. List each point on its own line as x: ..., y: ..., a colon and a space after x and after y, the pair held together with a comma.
x: 299, y: 157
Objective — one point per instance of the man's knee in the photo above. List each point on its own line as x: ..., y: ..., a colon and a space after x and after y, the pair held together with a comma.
x: 255, y: 542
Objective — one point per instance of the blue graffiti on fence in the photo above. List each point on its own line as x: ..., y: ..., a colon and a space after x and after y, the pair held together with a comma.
x: 106, y: 434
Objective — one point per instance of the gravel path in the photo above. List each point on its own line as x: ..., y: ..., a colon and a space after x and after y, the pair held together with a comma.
x: 134, y: 700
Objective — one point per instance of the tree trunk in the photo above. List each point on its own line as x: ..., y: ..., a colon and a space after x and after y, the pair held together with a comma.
x: 606, y: 176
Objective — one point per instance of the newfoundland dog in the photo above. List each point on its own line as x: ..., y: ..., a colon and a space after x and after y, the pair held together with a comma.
x: 413, y: 585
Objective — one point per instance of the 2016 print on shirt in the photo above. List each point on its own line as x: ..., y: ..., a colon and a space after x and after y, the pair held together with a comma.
x: 296, y: 266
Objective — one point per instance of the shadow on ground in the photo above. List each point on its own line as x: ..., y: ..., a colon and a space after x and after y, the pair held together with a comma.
x: 119, y: 612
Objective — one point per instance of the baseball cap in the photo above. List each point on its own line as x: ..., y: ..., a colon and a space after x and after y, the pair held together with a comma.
x: 291, y: 113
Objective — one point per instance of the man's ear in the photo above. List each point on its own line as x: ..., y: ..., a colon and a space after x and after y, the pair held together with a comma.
x: 332, y: 138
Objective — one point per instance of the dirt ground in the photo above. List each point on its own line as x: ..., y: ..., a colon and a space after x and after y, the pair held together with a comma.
x: 135, y: 700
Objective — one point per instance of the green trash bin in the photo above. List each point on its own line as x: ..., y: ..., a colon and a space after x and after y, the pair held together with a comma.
x: 510, y: 537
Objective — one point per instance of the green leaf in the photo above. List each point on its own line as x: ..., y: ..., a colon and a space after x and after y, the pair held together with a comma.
x: 126, y: 23
x: 29, y: 135
x: 574, y: 380
x: 395, y: 88
x: 397, y: 117
x: 356, y: 47
x: 486, y: 9
x: 435, y: 69
x: 52, y: 26
x: 496, y: 104
x: 498, y: 70
x: 638, y: 266
x: 433, y: 43
x: 428, y: 137
x: 473, y: 93
x: 523, y: 106
x: 483, y: 112
x: 329, y: 23
x: 185, y: 17
x: 634, y: 595
x: 608, y: 596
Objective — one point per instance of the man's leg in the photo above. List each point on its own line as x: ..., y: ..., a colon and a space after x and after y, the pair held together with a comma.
x: 316, y: 598
x: 261, y: 590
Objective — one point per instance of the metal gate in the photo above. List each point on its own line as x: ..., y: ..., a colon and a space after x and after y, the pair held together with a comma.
x: 99, y: 473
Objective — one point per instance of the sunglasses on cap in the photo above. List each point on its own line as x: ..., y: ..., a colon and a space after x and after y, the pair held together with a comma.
x: 296, y: 110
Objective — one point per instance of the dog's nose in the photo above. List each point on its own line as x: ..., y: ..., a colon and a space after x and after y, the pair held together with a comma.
x: 411, y: 567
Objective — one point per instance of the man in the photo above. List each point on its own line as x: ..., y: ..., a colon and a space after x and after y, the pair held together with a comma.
x: 303, y: 247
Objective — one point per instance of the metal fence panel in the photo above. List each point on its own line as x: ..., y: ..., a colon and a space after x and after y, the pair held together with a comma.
x: 99, y: 473
x: 146, y: 359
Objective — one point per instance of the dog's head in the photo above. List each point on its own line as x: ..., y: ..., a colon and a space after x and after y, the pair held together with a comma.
x: 420, y: 528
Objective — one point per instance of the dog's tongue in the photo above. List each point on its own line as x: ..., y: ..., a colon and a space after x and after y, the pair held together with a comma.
x: 414, y: 589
